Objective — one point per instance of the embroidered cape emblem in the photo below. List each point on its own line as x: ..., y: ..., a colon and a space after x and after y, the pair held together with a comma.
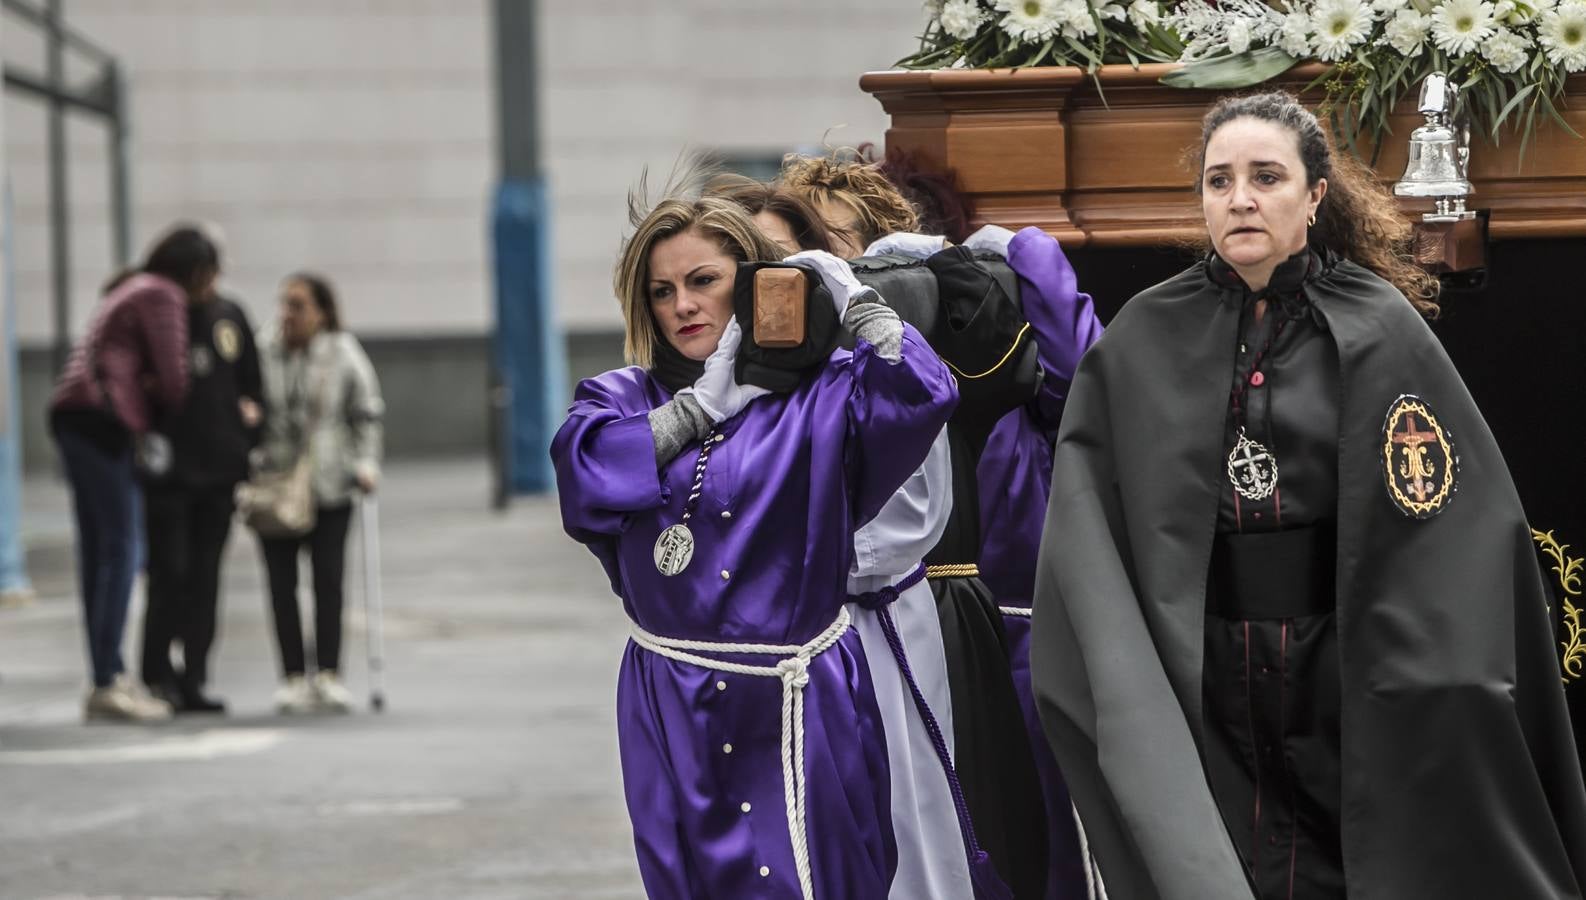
x: 1572, y: 658
x: 1419, y: 466
x: 228, y: 340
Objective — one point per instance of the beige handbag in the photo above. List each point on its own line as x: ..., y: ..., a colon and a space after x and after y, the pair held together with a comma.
x: 280, y: 504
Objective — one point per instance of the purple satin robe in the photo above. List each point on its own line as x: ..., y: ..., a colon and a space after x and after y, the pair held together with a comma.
x: 1015, y: 476
x: 782, y: 497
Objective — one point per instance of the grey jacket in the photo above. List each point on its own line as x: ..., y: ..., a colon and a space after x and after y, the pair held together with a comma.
x: 328, y: 388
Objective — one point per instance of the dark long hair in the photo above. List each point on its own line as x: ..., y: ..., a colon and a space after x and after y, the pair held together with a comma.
x: 324, y: 297
x: 808, y: 228
x: 1357, y: 219
x: 185, y: 255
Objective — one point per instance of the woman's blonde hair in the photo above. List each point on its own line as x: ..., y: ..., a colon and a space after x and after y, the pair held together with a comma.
x: 715, y: 218
x: 879, y: 208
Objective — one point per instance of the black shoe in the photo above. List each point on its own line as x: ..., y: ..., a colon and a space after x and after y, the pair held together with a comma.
x: 167, y: 691
x: 192, y: 700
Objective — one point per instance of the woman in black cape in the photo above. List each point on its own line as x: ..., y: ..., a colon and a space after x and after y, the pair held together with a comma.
x: 1290, y: 636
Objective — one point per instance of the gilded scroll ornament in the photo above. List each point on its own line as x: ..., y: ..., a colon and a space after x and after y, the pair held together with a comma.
x: 1568, y: 570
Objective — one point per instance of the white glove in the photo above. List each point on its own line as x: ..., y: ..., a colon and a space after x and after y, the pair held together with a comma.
x: 992, y: 238
x: 907, y: 243
x: 718, y: 390
x: 837, y: 275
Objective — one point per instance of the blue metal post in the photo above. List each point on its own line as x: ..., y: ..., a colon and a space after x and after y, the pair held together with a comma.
x: 530, y: 359
x: 13, y: 569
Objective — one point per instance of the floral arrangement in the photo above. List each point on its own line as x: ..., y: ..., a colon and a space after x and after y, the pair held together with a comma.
x: 1509, y: 58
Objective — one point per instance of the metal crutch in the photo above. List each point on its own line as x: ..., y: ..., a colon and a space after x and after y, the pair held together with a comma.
x: 369, y: 525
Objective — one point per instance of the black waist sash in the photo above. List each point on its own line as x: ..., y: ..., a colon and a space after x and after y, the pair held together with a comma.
x: 1274, y: 575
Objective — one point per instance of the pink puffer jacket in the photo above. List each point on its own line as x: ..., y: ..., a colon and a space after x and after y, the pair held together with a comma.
x: 134, y: 355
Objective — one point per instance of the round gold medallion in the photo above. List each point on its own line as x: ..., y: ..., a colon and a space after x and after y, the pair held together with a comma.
x: 228, y: 340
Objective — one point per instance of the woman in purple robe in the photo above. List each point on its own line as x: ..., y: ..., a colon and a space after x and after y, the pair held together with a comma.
x: 752, y: 747
x: 1015, y: 477
x: 1014, y: 471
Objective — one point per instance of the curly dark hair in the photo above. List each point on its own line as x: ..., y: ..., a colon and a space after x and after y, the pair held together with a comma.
x: 1358, y: 219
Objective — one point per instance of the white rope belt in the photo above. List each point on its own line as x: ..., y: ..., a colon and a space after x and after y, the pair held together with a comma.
x: 1022, y: 612
x: 793, y: 669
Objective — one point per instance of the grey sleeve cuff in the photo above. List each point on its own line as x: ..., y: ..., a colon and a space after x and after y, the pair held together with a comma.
x: 877, y: 325
x: 676, y: 424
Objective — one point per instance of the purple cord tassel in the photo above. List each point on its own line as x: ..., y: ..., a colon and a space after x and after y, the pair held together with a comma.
x: 983, y: 875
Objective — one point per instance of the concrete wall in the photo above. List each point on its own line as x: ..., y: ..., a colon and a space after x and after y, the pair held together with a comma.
x: 356, y: 137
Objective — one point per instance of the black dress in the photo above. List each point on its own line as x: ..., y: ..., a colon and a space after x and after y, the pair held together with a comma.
x: 1272, y: 703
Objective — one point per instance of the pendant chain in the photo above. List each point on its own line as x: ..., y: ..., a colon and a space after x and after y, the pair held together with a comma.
x: 674, y: 548
x: 711, y: 440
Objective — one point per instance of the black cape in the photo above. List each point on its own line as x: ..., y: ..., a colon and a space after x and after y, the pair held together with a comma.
x: 1459, y: 770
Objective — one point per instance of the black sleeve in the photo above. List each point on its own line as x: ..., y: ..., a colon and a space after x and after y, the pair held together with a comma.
x: 250, y: 382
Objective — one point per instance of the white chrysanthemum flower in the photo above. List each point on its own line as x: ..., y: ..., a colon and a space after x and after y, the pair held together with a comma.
x: 1459, y: 26
x: 1030, y: 21
x: 1294, y: 37
x: 1238, y: 36
x: 1144, y: 13
x: 962, y: 18
x: 1340, y: 25
x: 1506, y: 50
x: 1076, y: 18
x: 1388, y: 7
x: 1524, y: 12
x: 1562, y: 33
x: 1113, y: 11
x: 1407, y: 31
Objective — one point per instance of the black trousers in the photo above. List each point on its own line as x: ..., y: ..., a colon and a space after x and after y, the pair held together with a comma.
x: 327, y: 552
x: 187, y: 530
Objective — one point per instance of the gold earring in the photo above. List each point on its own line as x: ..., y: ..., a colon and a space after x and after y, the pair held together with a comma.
x: 1313, y: 218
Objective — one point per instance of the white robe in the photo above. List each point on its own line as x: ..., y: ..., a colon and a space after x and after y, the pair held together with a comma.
x: 931, y: 861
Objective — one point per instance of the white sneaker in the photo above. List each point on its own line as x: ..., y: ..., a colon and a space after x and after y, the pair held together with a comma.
x: 294, y: 696
x: 331, y: 694
x: 124, y: 701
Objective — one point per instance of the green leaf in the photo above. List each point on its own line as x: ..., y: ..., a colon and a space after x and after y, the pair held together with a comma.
x: 1553, y: 111
x: 1514, y: 101
x: 1229, y: 72
x: 1083, y: 51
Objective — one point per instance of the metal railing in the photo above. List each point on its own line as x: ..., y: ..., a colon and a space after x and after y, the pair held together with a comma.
x: 104, y: 98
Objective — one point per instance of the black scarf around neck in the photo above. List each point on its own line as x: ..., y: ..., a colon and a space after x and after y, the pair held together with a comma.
x: 670, y: 367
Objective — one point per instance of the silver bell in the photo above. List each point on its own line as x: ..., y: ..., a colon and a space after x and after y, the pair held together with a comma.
x: 1438, y: 155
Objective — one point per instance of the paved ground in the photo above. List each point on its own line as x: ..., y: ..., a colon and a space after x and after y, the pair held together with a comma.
x: 493, y: 773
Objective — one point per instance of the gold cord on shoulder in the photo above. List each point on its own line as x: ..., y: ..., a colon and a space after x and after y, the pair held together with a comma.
x: 957, y: 570
x: 1000, y: 363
